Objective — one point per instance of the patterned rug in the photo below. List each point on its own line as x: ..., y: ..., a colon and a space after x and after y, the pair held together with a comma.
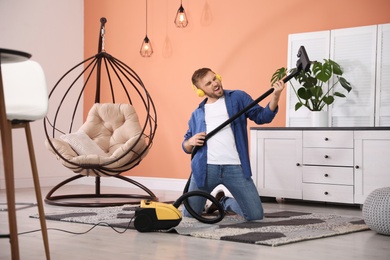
x: 277, y: 228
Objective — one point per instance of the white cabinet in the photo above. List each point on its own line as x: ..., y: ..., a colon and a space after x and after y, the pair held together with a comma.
x: 372, y: 162
x: 340, y: 165
x: 328, y: 166
x: 364, y: 54
x: 276, y: 158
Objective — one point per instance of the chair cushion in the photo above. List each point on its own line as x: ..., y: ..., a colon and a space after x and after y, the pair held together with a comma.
x: 25, y: 90
x: 83, y: 144
x: 111, y: 137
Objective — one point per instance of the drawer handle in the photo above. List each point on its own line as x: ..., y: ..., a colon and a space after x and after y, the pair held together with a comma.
x: 298, y: 164
x: 326, y: 175
x: 326, y: 193
x: 326, y: 156
x: 357, y: 167
x: 326, y: 139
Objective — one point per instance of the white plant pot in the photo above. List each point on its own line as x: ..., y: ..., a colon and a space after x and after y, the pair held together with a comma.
x: 319, y: 118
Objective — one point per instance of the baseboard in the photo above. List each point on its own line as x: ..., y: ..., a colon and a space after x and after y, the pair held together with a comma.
x: 168, y: 184
x: 151, y: 183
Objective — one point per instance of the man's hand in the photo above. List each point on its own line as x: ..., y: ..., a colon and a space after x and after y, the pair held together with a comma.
x: 278, y: 88
x: 195, y: 140
x: 198, y: 139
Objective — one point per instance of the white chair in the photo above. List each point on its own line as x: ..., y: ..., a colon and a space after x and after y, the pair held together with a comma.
x: 26, y: 100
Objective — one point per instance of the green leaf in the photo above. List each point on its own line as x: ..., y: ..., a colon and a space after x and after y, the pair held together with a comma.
x: 304, y: 93
x: 322, y: 72
x: 316, y: 92
x: 278, y: 75
x: 328, y: 100
x: 345, y: 84
x: 338, y: 94
x: 297, y: 106
x: 336, y: 68
x: 301, y: 77
x: 309, y: 82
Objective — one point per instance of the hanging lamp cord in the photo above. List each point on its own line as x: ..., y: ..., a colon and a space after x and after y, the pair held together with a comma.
x: 146, y: 17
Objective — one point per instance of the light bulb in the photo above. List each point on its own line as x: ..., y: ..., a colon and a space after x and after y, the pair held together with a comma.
x: 146, y: 48
x: 181, y: 20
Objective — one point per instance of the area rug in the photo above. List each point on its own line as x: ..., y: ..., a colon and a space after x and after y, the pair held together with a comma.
x: 277, y: 228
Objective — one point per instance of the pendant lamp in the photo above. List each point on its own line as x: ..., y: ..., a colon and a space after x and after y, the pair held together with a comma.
x: 181, y: 20
x: 146, y: 47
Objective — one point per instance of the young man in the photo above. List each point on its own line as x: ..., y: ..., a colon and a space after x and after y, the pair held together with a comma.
x: 224, y: 158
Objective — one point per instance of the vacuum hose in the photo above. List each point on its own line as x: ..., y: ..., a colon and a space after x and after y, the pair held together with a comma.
x: 186, y: 195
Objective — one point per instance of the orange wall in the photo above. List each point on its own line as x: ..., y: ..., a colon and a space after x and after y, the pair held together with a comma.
x: 243, y: 43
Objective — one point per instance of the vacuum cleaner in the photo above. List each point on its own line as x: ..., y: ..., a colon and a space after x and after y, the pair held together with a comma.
x: 153, y: 216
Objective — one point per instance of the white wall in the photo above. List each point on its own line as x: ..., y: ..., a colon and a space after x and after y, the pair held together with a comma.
x: 53, y: 32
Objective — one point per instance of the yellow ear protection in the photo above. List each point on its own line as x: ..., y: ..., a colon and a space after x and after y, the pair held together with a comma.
x: 200, y: 92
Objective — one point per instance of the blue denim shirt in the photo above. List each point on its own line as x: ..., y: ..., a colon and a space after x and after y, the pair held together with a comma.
x: 236, y: 100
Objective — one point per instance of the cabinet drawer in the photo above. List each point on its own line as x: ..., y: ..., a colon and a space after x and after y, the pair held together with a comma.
x: 331, y: 139
x: 327, y: 175
x: 327, y: 156
x: 328, y: 193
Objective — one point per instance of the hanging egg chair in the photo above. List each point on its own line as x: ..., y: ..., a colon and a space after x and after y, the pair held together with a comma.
x: 116, y: 135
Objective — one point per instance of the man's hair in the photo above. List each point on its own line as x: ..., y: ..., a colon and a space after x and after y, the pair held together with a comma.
x: 199, y: 74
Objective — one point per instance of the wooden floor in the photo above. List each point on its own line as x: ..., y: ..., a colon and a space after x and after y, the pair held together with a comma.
x: 105, y: 243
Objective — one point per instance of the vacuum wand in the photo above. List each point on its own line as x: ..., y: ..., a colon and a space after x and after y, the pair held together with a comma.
x: 303, y: 63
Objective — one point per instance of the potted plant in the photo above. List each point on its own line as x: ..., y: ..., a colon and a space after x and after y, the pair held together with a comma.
x: 312, y: 92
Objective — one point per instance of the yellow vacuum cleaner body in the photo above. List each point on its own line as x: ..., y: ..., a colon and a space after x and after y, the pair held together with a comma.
x: 151, y: 216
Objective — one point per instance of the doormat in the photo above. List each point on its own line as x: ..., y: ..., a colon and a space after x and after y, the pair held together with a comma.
x: 277, y: 228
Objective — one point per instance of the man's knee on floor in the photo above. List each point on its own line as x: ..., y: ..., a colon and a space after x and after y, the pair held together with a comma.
x: 257, y: 214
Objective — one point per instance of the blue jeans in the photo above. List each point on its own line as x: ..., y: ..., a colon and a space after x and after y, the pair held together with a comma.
x: 246, y: 201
